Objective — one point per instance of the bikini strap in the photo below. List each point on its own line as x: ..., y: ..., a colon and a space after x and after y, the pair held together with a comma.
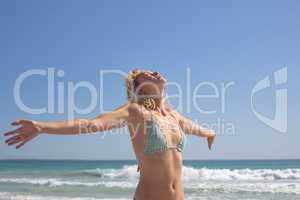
x: 178, y: 124
x: 151, y: 115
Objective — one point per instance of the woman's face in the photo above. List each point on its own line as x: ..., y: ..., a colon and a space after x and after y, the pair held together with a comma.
x: 150, y: 83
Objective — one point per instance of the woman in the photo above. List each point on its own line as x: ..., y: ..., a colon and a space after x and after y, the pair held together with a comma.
x: 157, y: 132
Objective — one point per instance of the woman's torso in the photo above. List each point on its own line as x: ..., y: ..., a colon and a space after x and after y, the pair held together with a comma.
x: 160, y: 173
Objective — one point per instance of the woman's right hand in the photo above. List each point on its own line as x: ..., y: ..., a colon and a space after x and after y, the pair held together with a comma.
x: 210, y: 140
x: 27, y: 131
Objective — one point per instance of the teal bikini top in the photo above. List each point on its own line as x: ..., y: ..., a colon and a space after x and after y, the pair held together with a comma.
x: 156, y: 141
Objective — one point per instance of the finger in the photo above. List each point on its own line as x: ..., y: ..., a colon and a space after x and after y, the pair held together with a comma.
x: 15, y: 141
x: 211, y: 143
x: 19, y: 122
x: 22, y: 143
x: 11, y: 132
x: 16, y: 123
x: 12, y: 138
x: 25, y: 141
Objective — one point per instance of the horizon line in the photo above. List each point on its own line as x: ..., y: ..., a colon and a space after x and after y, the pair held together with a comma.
x: 71, y: 159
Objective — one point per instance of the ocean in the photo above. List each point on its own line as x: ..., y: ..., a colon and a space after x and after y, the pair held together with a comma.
x: 116, y: 180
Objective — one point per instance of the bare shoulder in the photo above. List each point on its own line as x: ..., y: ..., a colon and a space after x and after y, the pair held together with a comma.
x: 172, y: 111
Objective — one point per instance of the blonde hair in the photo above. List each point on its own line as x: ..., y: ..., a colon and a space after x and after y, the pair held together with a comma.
x: 129, y: 84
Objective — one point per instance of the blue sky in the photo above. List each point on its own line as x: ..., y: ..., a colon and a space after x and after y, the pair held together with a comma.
x: 219, y: 41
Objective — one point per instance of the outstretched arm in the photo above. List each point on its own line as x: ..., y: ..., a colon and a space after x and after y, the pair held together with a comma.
x: 191, y: 127
x: 103, y: 122
x: 29, y: 129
